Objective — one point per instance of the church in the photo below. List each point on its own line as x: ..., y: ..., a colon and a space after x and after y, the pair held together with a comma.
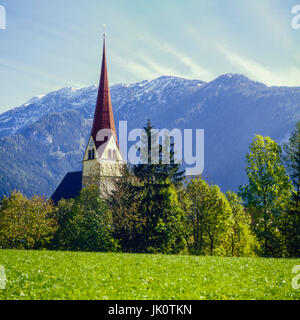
x: 102, y: 159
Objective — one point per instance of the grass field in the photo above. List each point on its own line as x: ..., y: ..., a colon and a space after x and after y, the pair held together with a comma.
x: 75, y: 275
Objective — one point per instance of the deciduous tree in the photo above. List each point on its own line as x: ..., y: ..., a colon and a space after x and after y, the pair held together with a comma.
x: 26, y: 223
x: 85, y: 223
x: 268, y: 191
x: 243, y: 241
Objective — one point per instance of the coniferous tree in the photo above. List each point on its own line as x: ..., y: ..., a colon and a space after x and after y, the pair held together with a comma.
x: 290, y: 222
x: 156, y: 180
x: 292, y: 160
x: 170, y: 171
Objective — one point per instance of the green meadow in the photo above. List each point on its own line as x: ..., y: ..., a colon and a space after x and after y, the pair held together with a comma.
x: 81, y: 275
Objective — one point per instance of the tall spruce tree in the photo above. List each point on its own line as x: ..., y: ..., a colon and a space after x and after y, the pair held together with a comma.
x: 152, y: 168
x: 155, y: 178
x: 290, y: 222
x: 292, y: 160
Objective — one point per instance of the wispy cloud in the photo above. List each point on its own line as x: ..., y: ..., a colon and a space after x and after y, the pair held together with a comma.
x: 193, y: 69
x: 256, y: 71
x: 161, y: 69
x: 145, y: 66
x: 34, y: 73
x: 134, y: 68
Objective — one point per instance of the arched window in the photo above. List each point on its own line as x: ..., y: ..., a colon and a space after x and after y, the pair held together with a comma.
x: 109, y: 154
x: 91, y: 154
x: 115, y: 154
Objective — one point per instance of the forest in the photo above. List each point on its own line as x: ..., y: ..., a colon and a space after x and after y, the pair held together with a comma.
x: 154, y: 208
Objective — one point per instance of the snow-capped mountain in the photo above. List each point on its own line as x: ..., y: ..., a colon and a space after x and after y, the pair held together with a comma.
x: 45, y: 138
x: 150, y: 94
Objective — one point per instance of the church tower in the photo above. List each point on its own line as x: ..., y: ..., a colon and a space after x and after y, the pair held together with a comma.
x: 102, y: 159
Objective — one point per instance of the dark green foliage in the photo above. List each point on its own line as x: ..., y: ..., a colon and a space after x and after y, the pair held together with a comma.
x: 158, y: 206
x: 292, y: 157
x: 127, y: 222
x: 84, y: 223
x: 290, y: 221
x: 289, y: 227
x: 151, y: 209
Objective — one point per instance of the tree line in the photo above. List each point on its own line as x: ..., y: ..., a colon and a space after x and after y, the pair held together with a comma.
x: 153, y: 208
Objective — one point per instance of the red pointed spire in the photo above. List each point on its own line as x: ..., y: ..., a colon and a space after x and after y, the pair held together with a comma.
x: 104, y: 117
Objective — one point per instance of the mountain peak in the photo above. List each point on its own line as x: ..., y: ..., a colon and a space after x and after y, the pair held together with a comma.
x: 52, y: 130
x: 235, y: 80
x: 232, y: 77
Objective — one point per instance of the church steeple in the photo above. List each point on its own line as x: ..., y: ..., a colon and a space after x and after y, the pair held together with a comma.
x: 102, y: 160
x: 104, y: 117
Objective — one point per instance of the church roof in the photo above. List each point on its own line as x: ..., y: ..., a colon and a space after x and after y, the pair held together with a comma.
x: 104, y: 117
x: 69, y: 187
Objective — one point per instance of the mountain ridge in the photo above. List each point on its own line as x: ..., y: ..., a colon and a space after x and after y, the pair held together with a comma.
x: 44, y: 138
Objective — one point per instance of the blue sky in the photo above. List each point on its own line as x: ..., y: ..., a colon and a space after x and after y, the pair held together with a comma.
x: 52, y: 44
